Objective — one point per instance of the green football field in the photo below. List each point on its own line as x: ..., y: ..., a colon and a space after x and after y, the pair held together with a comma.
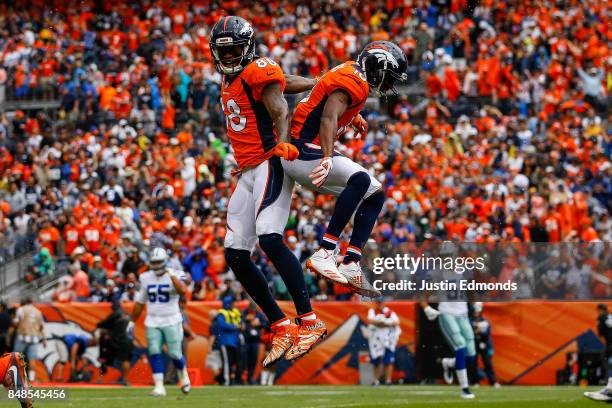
x: 324, y: 397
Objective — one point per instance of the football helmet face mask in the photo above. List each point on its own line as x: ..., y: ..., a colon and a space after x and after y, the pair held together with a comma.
x: 158, y: 260
x: 232, y: 44
x: 383, y: 63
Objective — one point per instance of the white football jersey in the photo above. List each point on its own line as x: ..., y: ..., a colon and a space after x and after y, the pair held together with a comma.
x: 452, y: 301
x: 162, y: 300
x: 453, y: 308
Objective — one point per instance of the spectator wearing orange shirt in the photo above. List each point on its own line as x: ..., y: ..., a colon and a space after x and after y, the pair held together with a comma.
x: 80, y: 283
x: 92, y: 235
x: 451, y: 83
x: 47, y: 75
x: 121, y: 104
x: 71, y: 236
x: 107, y: 96
x: 185, y: 136
x: 168, y: 119
x: 48, y: 237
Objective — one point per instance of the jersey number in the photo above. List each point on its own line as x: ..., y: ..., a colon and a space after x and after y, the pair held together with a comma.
x: 234, y: 120
x: 361, y: 75
x: 158, y: 293
x: 263, y: 62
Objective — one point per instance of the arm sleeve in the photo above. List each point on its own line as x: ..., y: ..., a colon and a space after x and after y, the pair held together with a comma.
x: 262, y: 74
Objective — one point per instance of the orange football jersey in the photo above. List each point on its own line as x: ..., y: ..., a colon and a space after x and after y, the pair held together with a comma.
x: 249, y: 125
x: 348, y: 78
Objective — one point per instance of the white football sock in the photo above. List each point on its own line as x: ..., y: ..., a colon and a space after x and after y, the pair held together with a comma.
x: 264, y: 377
x: 462, y: 377
x: 450, y: 362
x: 158, y: 379
x: 271, y: 378
x: 183, y: 376
x: 609, y: 386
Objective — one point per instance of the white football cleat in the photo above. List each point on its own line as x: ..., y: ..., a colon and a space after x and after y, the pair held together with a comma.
x: 323, y: 263
x: 467, y: 394
x: 183, y: 377
x: 158, y: 392
x: 448, y: 366
x: 185, y: 388
x: 357, y: 281
x: 601, y: 395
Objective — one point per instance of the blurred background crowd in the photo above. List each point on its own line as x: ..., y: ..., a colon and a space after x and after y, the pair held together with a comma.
x: 500, y: 136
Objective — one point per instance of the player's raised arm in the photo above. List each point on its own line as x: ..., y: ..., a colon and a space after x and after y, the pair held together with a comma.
x: 177, y: 282
x: 296, y: 84
x: 275, y: 103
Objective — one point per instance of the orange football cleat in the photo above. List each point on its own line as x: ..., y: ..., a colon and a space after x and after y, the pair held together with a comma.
x: 283, y: 338
x: 15, y: 376
x: 309, y: 333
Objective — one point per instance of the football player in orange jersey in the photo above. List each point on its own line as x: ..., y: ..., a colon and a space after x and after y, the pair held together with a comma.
x: 333, y: 104
x: 257, y: 125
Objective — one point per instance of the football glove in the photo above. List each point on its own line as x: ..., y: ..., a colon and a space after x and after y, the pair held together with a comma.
x: 431, y: 313
x: 360, y: 126
x: 320, y: 173
x: 286, y: 151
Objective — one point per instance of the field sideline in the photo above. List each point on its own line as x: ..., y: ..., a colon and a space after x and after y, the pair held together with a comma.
x: 325, y: 397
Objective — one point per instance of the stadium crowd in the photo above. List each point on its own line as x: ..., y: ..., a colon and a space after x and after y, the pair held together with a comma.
x: 511, y: 142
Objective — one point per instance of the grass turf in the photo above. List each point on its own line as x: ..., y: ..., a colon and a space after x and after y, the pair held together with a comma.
x: 325, y: 397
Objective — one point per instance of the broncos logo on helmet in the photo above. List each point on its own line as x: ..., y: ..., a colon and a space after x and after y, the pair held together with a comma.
x: 232, y: 44
x: 383, y: 63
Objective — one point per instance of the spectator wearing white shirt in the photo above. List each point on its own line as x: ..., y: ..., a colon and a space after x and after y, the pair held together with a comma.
x: 188, y: 174
x: 464, y: 128
x: 384, y: 332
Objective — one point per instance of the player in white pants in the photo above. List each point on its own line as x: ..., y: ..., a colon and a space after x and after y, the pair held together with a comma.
x: 452, y: 315
x: 160, y: 289
x: 332, y: 106
x: 259, y: 205
x: 455, y: 325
